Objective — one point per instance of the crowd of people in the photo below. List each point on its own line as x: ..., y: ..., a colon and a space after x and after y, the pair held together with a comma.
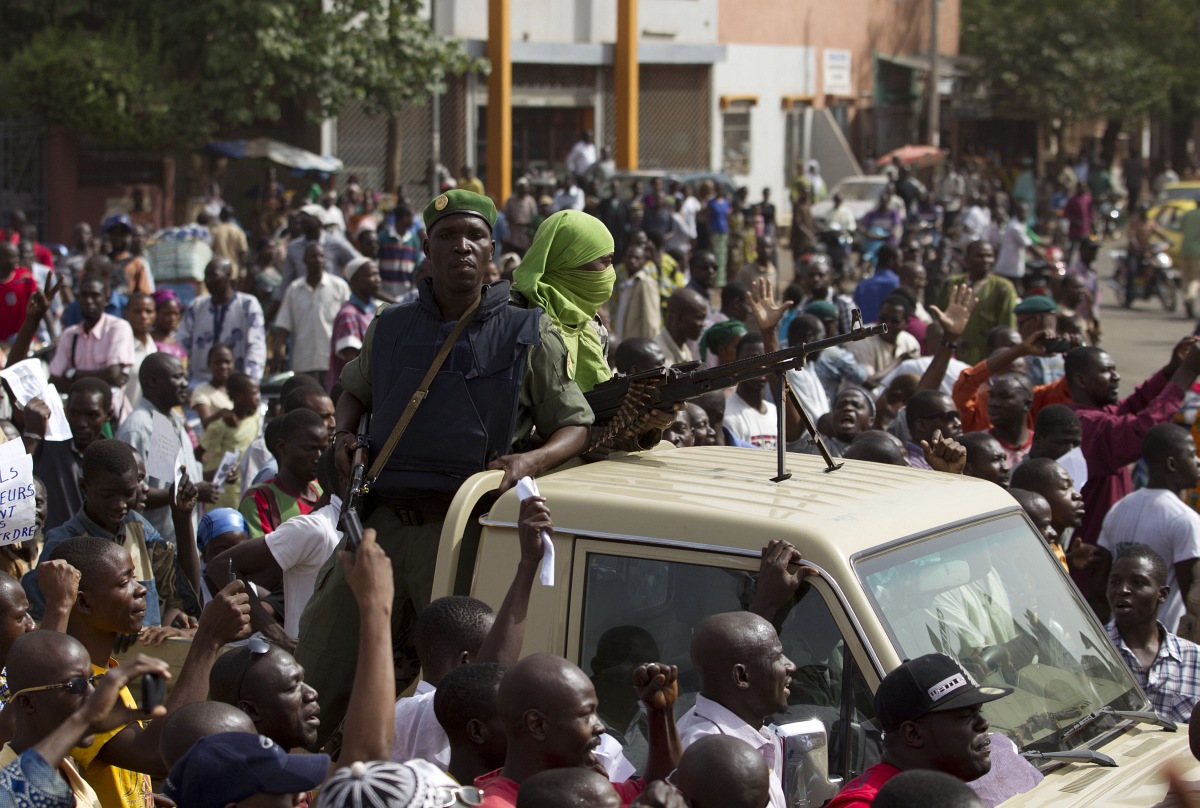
x: 468, y: 358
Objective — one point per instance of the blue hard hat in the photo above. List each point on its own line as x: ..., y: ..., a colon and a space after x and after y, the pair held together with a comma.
x: 116, y: 220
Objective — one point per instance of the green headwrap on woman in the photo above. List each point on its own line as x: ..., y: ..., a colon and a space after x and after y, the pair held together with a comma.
x: 568, y: 272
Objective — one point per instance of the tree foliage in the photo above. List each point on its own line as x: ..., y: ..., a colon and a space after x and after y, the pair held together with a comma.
x: 1116, y: 59
x: 164, y: 73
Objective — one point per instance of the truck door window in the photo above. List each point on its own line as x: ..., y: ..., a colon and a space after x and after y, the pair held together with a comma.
x: 638, y: 610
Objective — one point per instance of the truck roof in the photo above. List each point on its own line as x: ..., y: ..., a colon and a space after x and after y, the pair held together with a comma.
x: 723, y: 496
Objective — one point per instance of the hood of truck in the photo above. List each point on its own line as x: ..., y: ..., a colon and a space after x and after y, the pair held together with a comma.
x: 1138, y: 780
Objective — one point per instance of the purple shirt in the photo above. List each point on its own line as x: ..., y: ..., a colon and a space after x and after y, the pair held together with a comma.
x: 1112, y: 439
x: 1078, y: 212
x: 349, y: 328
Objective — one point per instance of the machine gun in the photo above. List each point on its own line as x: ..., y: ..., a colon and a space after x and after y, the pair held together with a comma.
x: 620, y: 403
x: 350, y: 519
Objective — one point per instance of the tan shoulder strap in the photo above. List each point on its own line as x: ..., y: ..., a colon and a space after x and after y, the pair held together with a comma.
x: 419, y: 394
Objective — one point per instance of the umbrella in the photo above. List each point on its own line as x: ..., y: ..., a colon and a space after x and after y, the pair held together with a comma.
x: 912, y: 155
x: 276, y: 151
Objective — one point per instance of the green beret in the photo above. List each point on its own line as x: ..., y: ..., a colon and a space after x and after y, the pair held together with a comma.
x: 822, y: 310
x: 1036, y: 304
x: 459, y: 201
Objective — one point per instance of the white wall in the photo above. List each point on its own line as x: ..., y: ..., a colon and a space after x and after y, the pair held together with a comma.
x: 771, y: 72
x: 683, y: 21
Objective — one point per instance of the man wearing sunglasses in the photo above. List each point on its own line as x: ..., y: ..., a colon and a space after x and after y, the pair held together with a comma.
x: 57, y: 703
x: 929, y: 411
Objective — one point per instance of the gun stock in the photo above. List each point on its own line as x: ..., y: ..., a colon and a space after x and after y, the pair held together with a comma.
x: 619, y: 403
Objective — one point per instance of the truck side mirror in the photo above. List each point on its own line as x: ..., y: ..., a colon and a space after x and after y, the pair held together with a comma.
x: 806, y: 780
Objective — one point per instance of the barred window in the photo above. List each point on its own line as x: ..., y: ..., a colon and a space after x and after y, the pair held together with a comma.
x: 735, y: 137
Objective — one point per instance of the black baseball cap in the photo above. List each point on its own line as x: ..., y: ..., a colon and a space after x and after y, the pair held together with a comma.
x: 928, y: 684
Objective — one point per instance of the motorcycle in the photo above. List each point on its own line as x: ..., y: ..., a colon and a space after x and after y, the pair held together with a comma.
x: 1156, y: 276
x: 1109, y: 216
x: 838, y: 243
x: 1042, y: 275
x: 873, y: 239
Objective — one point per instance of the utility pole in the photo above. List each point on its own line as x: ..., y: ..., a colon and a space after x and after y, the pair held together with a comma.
x: 435, y: 125
x: 935, y: 98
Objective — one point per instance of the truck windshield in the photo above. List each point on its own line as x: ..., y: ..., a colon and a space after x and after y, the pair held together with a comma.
x: 992, y: 596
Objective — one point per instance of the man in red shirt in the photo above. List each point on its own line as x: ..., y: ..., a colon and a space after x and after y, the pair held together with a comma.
x: 18, y: 227
x: 16, y: 287
x: 548, y: 707
x: 930, y: 711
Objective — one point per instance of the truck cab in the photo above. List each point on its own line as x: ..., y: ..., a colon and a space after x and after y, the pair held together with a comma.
x: 905, y: 562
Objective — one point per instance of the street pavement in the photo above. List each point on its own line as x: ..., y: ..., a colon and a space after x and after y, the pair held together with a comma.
x: 1138, y: 339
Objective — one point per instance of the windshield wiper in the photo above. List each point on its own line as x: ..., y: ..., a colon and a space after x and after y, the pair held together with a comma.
x: 1141, y: 717
x: 1074, y: 755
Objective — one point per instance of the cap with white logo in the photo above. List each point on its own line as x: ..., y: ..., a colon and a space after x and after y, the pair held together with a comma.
x: 931, y: 683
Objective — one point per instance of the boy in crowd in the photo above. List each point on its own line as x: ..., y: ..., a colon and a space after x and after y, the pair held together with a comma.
x: 293, y: 491
x: 110, y: 602
x: 221, y: 436
x: 111, y: 486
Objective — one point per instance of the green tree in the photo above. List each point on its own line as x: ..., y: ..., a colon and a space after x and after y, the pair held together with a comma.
x: 1120, y: 60
x: 163, y: 73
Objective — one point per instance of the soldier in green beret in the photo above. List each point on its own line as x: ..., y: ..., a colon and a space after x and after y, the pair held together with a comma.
x: 505, y: 376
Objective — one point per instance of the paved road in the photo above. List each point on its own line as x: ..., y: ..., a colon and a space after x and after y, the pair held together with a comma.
x: 1139, y: 339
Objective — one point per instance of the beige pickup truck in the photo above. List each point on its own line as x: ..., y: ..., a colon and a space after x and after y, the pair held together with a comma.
x: 908, y: 562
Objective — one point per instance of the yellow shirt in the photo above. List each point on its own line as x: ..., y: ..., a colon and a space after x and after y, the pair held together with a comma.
x: 220, y: 438
x: 117, y: 788
x: 85, y: 797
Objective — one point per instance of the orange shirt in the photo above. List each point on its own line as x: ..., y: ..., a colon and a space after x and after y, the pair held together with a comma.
x: 971, y: 397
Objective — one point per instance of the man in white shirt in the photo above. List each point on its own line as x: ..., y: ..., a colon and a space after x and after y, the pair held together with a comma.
x: 582, y: 154
x: 569, y: 197
x: 1157, y: 517
x: 842, y: 216
x: 1014, y: 241
x: 748, y: 415
x: 309, y: 307
x: 744, y: 677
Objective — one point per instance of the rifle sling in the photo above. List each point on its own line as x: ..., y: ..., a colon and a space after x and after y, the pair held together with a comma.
x: 421, y: 392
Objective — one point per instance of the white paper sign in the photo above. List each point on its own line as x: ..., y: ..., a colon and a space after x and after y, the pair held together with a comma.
x: 227, y: 464
x: 17, y: 510
x: 26, y: 380
x: 526, y: 488
x: 58, y: 427
x: 1076, y: 465
x: 162, y: 456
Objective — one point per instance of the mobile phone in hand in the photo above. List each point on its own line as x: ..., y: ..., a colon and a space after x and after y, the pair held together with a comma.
x: 1057, y: 346
x: 154, y: 691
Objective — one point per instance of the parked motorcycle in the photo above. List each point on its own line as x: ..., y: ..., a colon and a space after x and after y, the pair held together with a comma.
x: 1156, y: 276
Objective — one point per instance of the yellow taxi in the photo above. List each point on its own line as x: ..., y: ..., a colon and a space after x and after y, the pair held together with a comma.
x: 1176, y: 199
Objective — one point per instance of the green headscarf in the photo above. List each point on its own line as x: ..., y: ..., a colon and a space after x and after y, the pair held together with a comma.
x: 719, y: 334
x: 547, y: 277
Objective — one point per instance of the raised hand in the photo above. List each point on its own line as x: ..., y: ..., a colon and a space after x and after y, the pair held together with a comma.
x: 59, y: 582
x: 227, y: 616
x: 534, y: 518
x: 946, y: 454
x: 954, y: 319
x: 767, y: 313
x: 657, y: 685
x: 186, y: 495
x: 776, y: 585
x: 39, y: 302
x: 369, y: 574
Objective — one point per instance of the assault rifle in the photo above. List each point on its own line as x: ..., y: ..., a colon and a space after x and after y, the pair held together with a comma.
x: 620, y: 403
x: 351, y: 521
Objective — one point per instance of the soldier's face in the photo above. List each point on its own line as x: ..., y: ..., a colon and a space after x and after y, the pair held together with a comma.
x: 460, y: 247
